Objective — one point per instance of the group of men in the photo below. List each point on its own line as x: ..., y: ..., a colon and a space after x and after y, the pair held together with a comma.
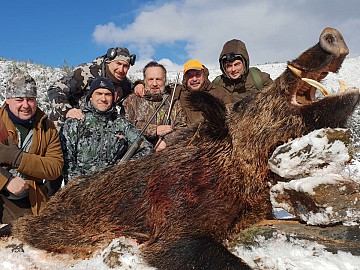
x: 98, y: 113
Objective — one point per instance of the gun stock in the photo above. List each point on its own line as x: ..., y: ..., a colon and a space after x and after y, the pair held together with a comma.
x: 132, y: 149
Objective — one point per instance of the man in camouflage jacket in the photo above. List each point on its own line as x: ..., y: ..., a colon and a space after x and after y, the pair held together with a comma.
x: 67, y: 93
x: 101, y: 138
x: 139, y: 109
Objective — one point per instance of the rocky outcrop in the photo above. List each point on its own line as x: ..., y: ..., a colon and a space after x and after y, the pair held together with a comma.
x: 321, y: 180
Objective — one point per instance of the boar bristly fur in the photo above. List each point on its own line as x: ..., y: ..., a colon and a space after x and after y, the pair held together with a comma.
x: 182, y: 204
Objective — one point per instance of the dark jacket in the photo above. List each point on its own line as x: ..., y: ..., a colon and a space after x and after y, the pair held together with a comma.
x: 194, y: 117
x: 70, y: 91
x: 95, y: 142
x: 244, y: 85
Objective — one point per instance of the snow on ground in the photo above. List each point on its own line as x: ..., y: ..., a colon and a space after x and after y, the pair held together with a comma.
x: 277, y: 253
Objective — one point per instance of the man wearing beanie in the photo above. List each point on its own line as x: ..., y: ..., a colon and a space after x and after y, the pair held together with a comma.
x: 67, y: 93
x: 102, y: 137
x: 32, y: 153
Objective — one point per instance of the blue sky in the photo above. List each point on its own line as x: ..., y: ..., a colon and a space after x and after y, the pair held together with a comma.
x: 49, y: 32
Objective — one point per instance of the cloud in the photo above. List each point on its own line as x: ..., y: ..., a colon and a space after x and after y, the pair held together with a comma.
x: 272, y: 30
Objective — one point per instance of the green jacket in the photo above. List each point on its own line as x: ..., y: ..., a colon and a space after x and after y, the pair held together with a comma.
x: 92, y: 144
x: 245, y: 85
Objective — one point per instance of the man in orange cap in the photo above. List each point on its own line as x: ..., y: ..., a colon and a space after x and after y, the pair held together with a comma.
x: 196, y: 79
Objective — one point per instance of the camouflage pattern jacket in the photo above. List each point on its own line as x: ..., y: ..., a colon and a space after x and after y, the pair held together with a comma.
x: 96, y: 141
x: 70, y: 91
x: 139, y: 111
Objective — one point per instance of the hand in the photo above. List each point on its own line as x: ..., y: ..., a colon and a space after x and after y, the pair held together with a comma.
x: 75, y: 113
x: 162, y: 130
x: 17, y: 185
x: 10, y: 154
x: 139, y: 90
x: 160, y: 145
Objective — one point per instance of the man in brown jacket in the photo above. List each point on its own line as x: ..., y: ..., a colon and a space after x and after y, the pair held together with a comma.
x: 196, y: 79
x: 237, y: 77
x: 32, y: 152
x: 161, y: 132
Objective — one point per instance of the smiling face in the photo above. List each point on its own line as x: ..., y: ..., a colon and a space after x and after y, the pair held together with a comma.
x: 234, y: 69
x: 102, y: 99
x: 119, y: 69
x: 23, y: 108
x: 194, y: 79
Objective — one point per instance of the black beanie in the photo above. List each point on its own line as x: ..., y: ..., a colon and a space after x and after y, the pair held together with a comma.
x: 101, y: 82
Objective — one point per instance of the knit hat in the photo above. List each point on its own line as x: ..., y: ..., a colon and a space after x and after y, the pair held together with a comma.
x: 101, y: 82
x: 20, y: 85
x: 192, y: 64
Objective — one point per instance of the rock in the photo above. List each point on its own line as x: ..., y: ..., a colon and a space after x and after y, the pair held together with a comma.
x: 325, y: 186
x: 319, y: 200
x: 334, y: 238
x: 320, y: 152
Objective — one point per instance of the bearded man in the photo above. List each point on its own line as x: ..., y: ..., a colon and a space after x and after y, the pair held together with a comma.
x: 162, y: 130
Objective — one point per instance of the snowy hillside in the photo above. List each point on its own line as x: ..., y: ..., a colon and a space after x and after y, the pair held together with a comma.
x: 278, y: 253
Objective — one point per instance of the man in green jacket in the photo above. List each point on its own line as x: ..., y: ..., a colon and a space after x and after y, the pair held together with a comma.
x: 32, y: 153
x: 237, y: 77
x: 101, y: 138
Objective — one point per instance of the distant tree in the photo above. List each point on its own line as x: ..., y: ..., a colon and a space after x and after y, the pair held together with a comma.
x: 66, y: 68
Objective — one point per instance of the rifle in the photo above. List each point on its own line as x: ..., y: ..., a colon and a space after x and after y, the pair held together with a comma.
x: 136, y: 144
x: 168, y: 120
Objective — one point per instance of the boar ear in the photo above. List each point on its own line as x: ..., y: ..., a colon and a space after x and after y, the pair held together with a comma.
x: 214, y: 112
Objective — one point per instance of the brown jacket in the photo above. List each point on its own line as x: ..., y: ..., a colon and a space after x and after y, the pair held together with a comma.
x: 245, y: 85
x: 182, y: 91
x: 44, y: 159
x: 140, y: 109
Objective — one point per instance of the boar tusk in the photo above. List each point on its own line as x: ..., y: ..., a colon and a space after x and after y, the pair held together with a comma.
x: 317, y: 85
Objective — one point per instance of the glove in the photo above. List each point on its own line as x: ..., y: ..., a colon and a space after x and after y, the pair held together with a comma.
x: 10, y: 154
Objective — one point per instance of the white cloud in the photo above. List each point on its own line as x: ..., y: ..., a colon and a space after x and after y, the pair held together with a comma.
x: 272, y: 30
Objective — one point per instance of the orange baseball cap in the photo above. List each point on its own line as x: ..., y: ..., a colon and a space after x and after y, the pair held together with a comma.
x: 192, y: 64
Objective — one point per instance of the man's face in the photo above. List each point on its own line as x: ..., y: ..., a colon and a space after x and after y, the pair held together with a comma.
x: 234, y: 69
x: 119, y: 69
x: 23, y: 108
x: 154, y: 80
x: 102, y: 99
x: 194, y: 79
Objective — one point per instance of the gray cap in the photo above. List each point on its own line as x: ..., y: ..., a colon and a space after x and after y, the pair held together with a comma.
x: 21, y: 85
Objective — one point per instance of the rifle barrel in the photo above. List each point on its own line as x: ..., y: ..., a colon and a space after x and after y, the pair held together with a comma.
x: 136, y: 144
